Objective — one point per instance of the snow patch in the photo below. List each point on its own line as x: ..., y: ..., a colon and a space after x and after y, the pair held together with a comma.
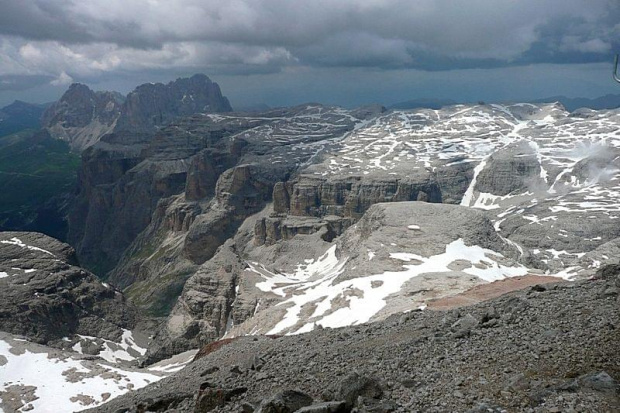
x: 126, y: 350
x: 55, y: 387
x: 19, y: 243
x: 336, y: 303
x: 469, y: 194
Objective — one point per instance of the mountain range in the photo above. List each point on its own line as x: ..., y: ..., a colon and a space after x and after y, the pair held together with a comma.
x: 610, y: 101
x: 316, y: 259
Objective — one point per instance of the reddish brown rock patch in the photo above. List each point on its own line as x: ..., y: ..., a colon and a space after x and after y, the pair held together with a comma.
x: 488, y: 291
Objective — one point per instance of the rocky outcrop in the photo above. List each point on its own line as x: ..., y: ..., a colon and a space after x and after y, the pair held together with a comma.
x: 82, y: 116
x: 512, y: 169
x: 241, y: 191
x: 204, y: 314
x: 351, y: 196
x: 45, y: 296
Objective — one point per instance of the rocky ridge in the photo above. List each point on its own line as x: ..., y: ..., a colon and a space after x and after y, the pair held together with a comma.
x: 67, y: 340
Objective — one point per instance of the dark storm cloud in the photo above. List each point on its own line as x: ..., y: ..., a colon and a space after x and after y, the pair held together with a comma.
x: 387, y: 33
x: 38, y: 20
x: 87, y: 40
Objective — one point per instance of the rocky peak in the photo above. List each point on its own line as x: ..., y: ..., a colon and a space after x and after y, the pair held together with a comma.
x: 82, y: 116
x: 76, y: 107
x: 155, y: 104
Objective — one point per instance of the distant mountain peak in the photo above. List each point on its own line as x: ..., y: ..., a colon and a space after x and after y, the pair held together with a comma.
x: 82, y: 116
x: 154, y: 104
x: 20, y: 115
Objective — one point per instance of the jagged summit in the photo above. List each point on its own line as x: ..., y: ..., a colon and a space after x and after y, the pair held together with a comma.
x: 154, y: 104
x: 82, y: 116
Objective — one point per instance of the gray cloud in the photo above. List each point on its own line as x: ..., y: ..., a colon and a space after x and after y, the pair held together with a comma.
x: 87, y: 40
x: 19, y: 82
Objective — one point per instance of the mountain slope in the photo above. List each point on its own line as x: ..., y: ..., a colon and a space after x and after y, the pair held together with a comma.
x: 548, y: 348
x: 19, y: 116
x: 37, y: 178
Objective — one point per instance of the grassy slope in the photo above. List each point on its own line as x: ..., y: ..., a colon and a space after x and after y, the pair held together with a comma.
x: 34, y: 168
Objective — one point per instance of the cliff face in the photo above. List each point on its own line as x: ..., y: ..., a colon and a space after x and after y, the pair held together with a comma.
x: 137, y: 161
x: 161, y: 206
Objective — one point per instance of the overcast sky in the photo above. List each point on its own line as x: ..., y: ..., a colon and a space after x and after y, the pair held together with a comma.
x: 283, y: 52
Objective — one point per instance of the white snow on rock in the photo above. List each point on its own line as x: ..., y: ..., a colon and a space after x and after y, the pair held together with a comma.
x: 327, y: 265
x: 174, y: 363
x: 62, y: 383
x: 469, y: 194
x: 19, y: 243
x: 126, y: 350
x: 338, y: 303
x: 577, y: 173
